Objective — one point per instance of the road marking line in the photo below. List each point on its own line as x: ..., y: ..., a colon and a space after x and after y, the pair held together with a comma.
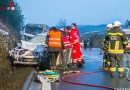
x: 45, y: 85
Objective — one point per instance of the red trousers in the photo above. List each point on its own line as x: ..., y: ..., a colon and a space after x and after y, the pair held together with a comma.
x: 77, y: 53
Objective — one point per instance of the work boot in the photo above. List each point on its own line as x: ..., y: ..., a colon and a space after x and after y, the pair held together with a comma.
x: 102, y: 68
x: 112, y: 74
x: 70, y: 65
x: 100, y: 53
x: 79, y: 64
x: 121, y: 74
x: 53, y: 68
x: 83, y: 61
x: 60, y: 67
x: 64, y: 67
x: 74, y: 66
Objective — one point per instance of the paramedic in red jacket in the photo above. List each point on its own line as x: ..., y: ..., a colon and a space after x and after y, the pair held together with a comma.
x: 76, y: 52
x: 67, y: 49
x: 74, y: 28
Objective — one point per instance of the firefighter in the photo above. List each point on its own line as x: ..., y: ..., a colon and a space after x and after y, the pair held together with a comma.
x: 75, y: 41
x: 116, y: 40
x: 106, y: 60
x: 54, y: 42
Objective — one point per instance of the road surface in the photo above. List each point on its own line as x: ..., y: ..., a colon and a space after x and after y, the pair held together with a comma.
x: 93, y: 62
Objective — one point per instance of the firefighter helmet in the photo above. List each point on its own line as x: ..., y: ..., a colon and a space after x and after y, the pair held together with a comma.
x: 117, y: 23
x: 109, y: 25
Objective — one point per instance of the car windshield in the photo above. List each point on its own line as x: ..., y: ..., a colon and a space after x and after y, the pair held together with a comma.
x: 38, y: 39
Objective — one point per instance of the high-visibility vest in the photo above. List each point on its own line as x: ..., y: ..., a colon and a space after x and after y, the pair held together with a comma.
x: 66, y: 41
x: 54, y: 39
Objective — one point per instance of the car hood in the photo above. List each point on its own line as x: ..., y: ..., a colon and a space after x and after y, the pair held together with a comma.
x: 28, y: 45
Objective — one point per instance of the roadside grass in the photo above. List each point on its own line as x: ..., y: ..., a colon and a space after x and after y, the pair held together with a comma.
x: 12, y: 79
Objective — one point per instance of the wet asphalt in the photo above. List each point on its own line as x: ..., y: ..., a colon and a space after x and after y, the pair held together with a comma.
x: 93, y: 60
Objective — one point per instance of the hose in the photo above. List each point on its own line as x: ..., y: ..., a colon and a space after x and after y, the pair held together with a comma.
x: 127, y: 75
x: 127, y: 61
x: 85, y: 84
x: 94, y: 85
x: 128, y: 66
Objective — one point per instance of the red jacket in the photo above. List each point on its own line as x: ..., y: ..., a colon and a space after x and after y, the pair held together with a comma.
x: 74, y: 38
x: 66, y: 42
x: 76, y: 52
x: 65, y: 39
x: 76, y: 32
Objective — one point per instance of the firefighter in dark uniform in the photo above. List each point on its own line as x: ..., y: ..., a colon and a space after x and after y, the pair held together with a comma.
x: 116, y: 40
x: 106, y: 59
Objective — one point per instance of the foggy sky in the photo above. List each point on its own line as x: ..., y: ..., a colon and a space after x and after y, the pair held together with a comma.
x: 83, y: 12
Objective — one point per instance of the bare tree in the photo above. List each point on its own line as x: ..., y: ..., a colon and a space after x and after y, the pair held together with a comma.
x: 61, y: 23
x: 127, y: 23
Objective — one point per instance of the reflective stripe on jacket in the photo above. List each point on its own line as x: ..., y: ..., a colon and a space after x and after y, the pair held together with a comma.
x: 116, y: 39
x: 66, y: 41
x: 55, y: 39
x: 73, y: 37
x: 76, y: 32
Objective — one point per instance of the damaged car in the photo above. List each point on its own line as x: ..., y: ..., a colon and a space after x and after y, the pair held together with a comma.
x: 29, y: 52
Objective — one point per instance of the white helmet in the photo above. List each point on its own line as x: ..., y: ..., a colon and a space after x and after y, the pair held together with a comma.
x: 117, y: 23
x: 109, y: 25
x: 62, y: 29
